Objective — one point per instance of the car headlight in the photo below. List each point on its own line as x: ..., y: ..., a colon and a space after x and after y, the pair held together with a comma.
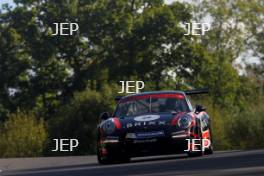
x: 185, y: 121
x: 108, y: 126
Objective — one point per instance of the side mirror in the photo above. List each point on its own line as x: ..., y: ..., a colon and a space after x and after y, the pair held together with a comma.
x: 199, y: 108
x: 104, y: 116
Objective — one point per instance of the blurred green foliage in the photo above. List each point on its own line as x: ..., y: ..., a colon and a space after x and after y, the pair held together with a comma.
x: 22, y: 135
x: 79, y: 119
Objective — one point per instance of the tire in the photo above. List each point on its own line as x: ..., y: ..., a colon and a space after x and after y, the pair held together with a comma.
x: 124, y: 158
x: 103, y: 159
x: 106, y: 159
x: 209, y: 151
x: 110, y: 158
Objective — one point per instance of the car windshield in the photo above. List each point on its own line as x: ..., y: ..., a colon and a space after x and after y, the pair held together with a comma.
x: 156, y: 103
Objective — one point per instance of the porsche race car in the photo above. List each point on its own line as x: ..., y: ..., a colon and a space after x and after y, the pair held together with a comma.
x: 154, y: 123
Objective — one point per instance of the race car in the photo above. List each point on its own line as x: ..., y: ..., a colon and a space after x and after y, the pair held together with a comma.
x: 154, y: 123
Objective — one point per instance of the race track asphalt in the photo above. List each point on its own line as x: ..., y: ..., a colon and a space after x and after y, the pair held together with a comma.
x: 235, y: 163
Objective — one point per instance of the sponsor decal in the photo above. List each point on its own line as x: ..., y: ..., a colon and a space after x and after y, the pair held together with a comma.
x: 145, y: 118
x: 144, y: 124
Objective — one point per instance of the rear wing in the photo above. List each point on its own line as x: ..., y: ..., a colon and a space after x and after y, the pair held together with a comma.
x: 117, y: 98
x: 187, y: 92
x: 197, y: 91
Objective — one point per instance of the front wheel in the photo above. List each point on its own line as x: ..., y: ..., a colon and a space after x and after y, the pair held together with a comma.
x: 124, y: 158
x: 102, y: 156
x: 209, y: 151
x: 105, y: 156
x: 109, y: 160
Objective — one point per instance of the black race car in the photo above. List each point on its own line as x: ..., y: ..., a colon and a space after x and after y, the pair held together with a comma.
x: 154, y: 123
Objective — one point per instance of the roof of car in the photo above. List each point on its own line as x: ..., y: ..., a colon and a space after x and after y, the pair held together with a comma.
x: 156, y: 92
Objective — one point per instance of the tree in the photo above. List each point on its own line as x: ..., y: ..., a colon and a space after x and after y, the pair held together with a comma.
x: 231, y: 35
x: 14, y: 65
x: 117, y: 40
x: 79, y: 119
x: 22, y: 135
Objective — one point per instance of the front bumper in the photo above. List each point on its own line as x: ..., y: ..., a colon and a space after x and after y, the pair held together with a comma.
x: 175, y: 143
